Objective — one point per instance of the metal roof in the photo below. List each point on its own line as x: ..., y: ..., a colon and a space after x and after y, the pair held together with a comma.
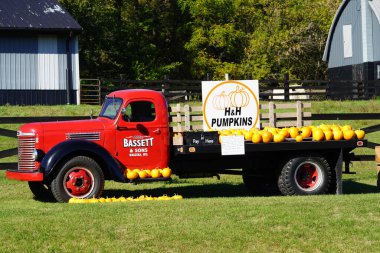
x: 375, y: 6
x: 339, y: 12
x: 36, y: 15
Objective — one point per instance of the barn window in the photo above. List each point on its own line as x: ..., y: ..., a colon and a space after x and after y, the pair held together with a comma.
x: 378, y: 72
x: 347, y: 41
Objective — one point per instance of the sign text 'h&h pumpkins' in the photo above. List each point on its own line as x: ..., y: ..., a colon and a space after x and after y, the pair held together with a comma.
x: 230, y: 105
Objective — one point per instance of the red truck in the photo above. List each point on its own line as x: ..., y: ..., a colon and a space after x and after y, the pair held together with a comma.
x: 74, y: 158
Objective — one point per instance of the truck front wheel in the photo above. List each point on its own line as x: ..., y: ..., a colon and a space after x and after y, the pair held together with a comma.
x: 41, y: 191
x: 305, y: 176
x: 80, y: 177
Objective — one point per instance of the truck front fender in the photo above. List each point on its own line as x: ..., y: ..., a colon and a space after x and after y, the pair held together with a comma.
x: 70, y: 148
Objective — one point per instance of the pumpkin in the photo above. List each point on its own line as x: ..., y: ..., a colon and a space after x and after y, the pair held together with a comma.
x: 299, y: 138
x: 132, y: 175
x: 338, y: 135
x: 166, y: 172
x: 305, y: 132
x: 278, y: 138
x: 318, y: 135
x: 239, y: 97
x: 155, y: 173
x: 348, y: 134
x: 142, y: 174
x: 293, y: 131
x: 360, y: 134
x: 267, y: 136
x: 328, y: 135
x: 221, y: 101
x: 257, y: 138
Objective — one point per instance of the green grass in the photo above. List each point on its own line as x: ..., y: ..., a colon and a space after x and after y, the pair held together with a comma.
x: 215, y: 216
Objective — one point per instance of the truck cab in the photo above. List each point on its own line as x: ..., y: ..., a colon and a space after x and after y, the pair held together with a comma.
x: 73, y: 158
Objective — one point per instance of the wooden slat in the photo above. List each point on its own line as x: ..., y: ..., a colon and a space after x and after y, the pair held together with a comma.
x: 197, y: 127
x: 175, y: 119
x: 196, y: 118
x: 286, y: 106
x: 281, y: 115
x: 306, y: 114
x: 196, y: 108
x: 178, y: 129
x: 264, y: 115
x: 307, y: 123
x: 286, y: 123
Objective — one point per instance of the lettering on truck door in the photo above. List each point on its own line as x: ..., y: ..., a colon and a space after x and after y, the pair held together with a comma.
x: 138, y: 140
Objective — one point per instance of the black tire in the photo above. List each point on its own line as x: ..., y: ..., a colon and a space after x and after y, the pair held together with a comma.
x: 378, y: 181
x: 261, y: 186
x: 41, y: 191
x: 305, y: 176
x: 88, y: 184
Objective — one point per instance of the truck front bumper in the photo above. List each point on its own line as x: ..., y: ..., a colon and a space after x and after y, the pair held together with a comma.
x: 16, y: 175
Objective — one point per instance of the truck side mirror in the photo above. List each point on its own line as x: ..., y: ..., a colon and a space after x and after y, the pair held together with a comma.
x: 125, y: 116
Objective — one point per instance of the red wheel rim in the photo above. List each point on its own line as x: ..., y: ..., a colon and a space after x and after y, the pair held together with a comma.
x: 78, y: 182
x: 308, y: 176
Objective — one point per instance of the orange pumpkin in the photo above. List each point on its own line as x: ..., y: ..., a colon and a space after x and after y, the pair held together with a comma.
x: 239, y: 97
x: 221, y: 101
x: 167, y: 172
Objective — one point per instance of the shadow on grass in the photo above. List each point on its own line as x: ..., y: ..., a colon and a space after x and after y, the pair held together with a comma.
x: 352, y: 187
x: 223, y: 190
x: 193, y: 191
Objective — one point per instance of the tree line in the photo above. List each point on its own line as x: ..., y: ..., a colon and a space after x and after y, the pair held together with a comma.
x: 190, y: 39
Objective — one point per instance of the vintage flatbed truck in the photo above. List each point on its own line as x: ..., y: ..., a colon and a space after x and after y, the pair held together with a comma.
x: 74, y: 158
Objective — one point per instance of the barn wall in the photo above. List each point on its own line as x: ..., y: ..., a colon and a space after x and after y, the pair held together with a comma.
x: 376, y: 37
x: 33, y: 69
x: 350, y: 16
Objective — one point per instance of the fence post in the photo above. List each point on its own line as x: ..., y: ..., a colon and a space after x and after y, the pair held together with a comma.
x: 179, y: 117
x: 299, y: 113
x: 187, y: 117
x: 272, y: 116
x: 286, y: 87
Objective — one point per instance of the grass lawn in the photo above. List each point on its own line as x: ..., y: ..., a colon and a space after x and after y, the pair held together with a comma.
x: 214, y: 216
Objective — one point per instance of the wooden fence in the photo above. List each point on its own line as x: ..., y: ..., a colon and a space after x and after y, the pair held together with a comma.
x: 190, y: 118
x: 284, y: 89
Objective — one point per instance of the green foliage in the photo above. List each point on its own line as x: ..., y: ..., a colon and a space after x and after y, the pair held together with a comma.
x: 190, y: 38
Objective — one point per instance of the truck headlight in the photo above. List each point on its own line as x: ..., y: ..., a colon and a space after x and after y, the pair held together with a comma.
x: 37, y: 155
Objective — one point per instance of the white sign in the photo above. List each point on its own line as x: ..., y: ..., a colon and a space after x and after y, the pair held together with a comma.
x: 233, y: 145
x: 230, y: 105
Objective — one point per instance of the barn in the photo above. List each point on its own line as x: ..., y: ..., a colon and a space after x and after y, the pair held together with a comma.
x: 352, y: 49
x: 39, y: 62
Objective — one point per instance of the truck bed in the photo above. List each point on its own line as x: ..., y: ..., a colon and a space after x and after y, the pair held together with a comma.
x: 288, y: 145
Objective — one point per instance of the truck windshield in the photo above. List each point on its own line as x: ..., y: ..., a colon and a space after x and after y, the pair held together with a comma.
x: 111, y: 107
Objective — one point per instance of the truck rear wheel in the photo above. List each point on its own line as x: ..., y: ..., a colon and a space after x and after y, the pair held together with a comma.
x: 41, y: 191
x: 80, y: 177
x: 305, y: 176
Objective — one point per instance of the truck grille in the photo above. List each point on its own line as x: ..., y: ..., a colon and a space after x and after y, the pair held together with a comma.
x: 26, y: 146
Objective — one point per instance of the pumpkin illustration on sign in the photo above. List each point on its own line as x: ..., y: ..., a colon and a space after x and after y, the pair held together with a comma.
x: 239, y: 97
x: 221, y: 101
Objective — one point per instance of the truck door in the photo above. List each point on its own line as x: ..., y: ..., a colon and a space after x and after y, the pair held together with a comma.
x: 140, y: 138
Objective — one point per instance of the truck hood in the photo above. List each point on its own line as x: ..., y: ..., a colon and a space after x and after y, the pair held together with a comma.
x: 73, y: 126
